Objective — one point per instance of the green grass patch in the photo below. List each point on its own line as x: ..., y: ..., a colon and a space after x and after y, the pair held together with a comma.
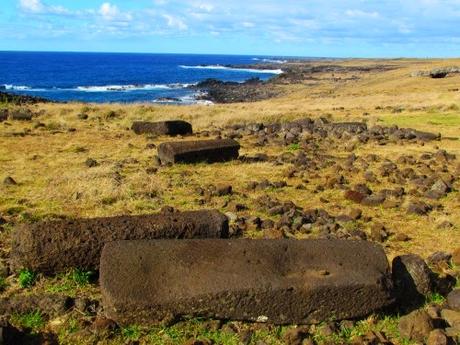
x: 33, y: 321
x: 293, y: 147
x: 26, y: 278
x: 435, y: 298
x: 132, y: 332
x: 71, y: 282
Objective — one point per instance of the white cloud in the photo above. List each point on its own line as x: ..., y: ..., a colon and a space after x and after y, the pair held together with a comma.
x: 362, y: 14
x: 175, y: 22
x: 31, y: 6
x: 204, y: 6
x: 112, y: 13
x: 38, y: 7
x: 248, y: 24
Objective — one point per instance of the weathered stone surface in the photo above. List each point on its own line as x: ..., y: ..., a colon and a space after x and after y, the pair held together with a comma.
x: 412, y: 278
x: 452, y: 317
x: 219, y: 150
x: 416, y: 325
x: 177, y: 127
x: 21, y: 115
x: 456, y: 257
x: 453, y: 300
x: 276, y: 281
x: 47, y: 304
x: 3, y: 115
x: 437, y: 337
x: 51, y: 247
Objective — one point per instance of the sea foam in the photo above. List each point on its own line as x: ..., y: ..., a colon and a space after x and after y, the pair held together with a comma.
x: 220, y: 67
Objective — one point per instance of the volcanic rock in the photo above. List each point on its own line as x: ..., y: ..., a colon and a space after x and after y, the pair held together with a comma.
x: 57, y: 246
x: 276, y: 281
x: 162, y: 128
x: 210, y: 151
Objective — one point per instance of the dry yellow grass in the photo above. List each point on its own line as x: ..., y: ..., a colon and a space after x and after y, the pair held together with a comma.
x: 49, y: 162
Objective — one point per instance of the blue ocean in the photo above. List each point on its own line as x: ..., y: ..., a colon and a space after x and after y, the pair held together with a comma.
x: 120, y: 77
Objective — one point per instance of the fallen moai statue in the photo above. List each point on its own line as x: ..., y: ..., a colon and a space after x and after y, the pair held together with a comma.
x: 210, y: 151
x: 176, y: 127
x: 57, y: 246
x: 276, y: 281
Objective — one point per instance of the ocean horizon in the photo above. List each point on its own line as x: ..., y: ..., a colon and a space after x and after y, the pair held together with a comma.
x: 123, y: 77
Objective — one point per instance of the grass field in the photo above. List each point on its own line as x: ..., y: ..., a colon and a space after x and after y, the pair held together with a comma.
x: 47, y: 157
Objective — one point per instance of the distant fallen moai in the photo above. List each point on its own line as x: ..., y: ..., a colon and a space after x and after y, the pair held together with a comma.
x: 172, y: 128
x: 56, y: 246
x: 210, y: 151
x: 276, y: 281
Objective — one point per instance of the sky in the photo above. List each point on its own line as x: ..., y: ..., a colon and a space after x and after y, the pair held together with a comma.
x: 316, y: 28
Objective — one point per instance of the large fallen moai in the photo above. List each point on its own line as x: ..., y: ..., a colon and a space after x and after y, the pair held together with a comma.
x: 276, y: 281
x: 210, y: 151
x: 176, y: 127
x: 57, y: 246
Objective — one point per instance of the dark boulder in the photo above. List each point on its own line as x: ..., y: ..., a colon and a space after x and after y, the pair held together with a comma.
x: 412, y: 279
x: 276, y: 281
x: 210, y: 151
x: 162, y: 128
x: 57, y: 246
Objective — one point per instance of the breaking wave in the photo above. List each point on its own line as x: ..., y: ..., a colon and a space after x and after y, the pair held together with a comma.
x: 220, y: 67
x: 103, y: 88
x: 270, y: 60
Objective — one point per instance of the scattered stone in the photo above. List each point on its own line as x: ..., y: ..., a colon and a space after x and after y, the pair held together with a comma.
x: 416, y: 325
x: 452, y: 317
x: 438, y: 190
x: 223, y: 190
x: 295, y: 336
x: 354, y: 196
x: 412, y: 279
x: 420, y: 208
x: 453, y: 300
x: 21, y: 115
x: 210, y: 151
x: 401, y: 237
x: 355, y: 214
x: 445, y: 225
x: 48, y: 304
x: 438, y: 337
x: 3, y: 115
x: 279, y: 281
x: 103, y: 325
x: 171, y: 128
x: 379, y: 233
x: 56, y: 246
x: 91, y: 163
x: 9, y: 181
x: 373, y: 200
